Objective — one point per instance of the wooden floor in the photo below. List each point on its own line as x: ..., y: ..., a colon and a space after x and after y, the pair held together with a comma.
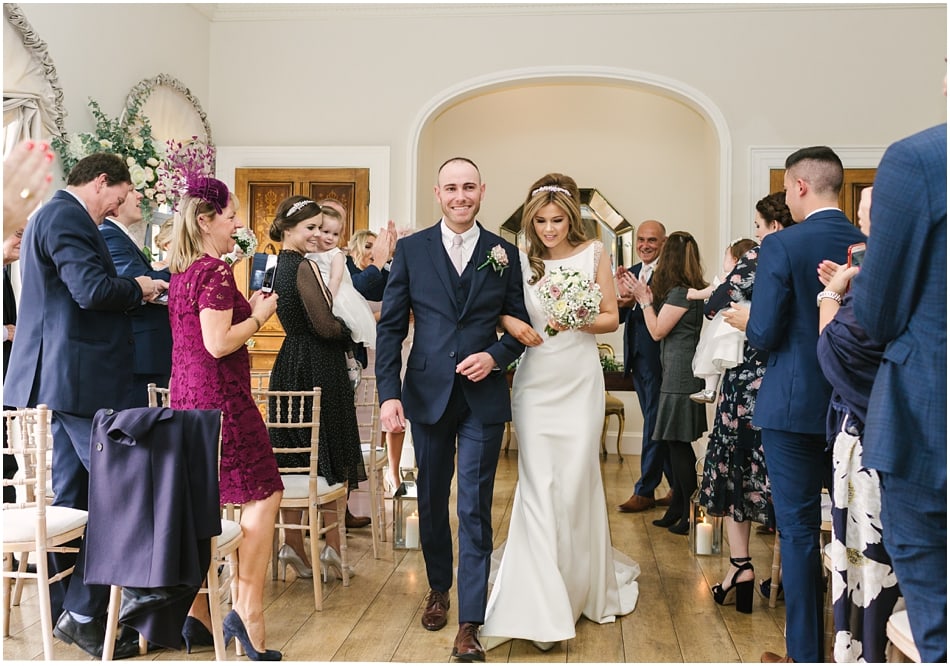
x: 377, y: 617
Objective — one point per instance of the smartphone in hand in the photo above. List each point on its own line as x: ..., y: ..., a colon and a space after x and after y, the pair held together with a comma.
x: 856, y: 254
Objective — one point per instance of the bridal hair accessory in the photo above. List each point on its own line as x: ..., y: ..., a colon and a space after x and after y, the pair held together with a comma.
x: 209, y: 189
x: 551, y: 188
x: 497, y: 259
x: 298, y: 206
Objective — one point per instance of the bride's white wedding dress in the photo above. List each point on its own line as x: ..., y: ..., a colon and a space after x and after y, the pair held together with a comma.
x: 558, y: 562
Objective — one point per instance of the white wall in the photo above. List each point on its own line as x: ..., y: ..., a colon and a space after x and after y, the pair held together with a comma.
x: 102, y: 51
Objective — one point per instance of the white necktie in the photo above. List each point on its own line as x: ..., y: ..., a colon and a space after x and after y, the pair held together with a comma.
x: 455, y: 253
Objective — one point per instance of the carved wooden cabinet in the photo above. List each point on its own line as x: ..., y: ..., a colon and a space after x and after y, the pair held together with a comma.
x: 260, y: 191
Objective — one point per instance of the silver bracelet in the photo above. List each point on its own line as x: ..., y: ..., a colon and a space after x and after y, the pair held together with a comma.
x: 833, y: 295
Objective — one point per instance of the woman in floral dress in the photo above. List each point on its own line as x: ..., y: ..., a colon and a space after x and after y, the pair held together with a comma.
x: 734, y: 481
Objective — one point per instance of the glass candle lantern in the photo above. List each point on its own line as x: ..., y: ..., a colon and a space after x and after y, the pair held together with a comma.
x: 406, y: 517
x: 705, y: 530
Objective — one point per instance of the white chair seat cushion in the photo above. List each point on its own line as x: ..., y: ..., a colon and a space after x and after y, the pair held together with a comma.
x: 898, y: 631
x: 380, y: 451
x: 230, y: 530
x: 19, y: 525
x: 297, y: 486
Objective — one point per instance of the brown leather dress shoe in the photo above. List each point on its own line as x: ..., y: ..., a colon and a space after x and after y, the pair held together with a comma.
x: 636, y: 503
x: 467, y: 647
x: 355, y: 522
x: 772, y: 658
x: 436, y: 614
x: 666, y: 500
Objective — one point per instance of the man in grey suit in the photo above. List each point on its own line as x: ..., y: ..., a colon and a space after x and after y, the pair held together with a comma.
x: 73, y: 352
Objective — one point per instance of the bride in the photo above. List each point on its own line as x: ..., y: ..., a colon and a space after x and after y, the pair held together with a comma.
x: 558, y: 563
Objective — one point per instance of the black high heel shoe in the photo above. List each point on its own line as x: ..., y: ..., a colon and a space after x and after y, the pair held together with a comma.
x: 739, y: 594
x: 234, y: 628
x: 194, y: 632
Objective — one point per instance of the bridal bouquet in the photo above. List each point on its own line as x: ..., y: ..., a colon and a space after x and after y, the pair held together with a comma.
x: 244, y: 241
x: 569, y: 297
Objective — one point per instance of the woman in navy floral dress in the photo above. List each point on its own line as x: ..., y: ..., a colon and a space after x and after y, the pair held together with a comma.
x: 734, y: 482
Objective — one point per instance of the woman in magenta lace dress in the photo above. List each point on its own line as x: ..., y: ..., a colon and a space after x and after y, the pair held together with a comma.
x: 210, y: 322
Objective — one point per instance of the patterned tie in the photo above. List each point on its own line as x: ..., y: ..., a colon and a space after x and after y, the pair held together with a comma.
x: 455, y: 253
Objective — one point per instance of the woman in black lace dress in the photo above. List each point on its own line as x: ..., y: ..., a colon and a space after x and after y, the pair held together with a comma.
x: 313, y: 354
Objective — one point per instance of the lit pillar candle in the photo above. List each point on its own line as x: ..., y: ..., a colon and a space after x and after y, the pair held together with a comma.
x: 704, y: 534
x: 412, y: 531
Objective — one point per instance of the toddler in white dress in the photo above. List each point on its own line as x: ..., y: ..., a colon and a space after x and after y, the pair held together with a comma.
x: 720, y: 345
x: 348, y: 304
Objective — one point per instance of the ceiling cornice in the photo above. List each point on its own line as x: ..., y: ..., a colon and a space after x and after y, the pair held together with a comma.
x: 238, y: 12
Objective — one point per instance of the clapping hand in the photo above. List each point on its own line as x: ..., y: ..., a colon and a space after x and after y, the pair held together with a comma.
x: 642, y: 292
x: 836, y: 277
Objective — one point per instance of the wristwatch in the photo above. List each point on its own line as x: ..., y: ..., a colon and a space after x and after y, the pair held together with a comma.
x: 833, y: 295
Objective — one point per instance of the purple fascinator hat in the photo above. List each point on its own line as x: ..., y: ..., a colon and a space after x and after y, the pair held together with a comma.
x: 209, y: 189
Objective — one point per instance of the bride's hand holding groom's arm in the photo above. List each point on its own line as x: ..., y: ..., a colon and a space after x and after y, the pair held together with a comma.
x: 521, y: 331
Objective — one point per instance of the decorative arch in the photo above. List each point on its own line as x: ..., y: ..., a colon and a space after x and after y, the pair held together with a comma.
x: 672, y: 88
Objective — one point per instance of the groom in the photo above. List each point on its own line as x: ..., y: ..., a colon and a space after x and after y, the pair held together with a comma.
x: 455, y: 388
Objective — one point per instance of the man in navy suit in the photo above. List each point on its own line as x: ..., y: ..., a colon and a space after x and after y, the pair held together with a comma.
x: 73, y: 352
x: 641, y: 357
x: 455, y: 387
x: 150, y: 327
x: 793, y: 399
x: 900, y: 298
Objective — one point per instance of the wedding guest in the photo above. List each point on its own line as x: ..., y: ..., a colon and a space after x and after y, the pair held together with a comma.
x: 163, y: 240
x: 558, y: 562
x: 72, y: 334
x: 675, y: 322
x: 641, y: 360
x: 348, y: 303
x: 864, y: 587
x: 150, y: 327
x: 734, y: 483
x: 211, y: 322
x: 313, y: 353
x: 900, y: 298
x: 26, y: 178
x: 793, y: 397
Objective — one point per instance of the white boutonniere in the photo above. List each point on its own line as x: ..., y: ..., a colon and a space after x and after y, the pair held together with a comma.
x: 497, y: 259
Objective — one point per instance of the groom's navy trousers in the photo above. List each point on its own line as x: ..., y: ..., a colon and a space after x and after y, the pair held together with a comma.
x: 478, y: 447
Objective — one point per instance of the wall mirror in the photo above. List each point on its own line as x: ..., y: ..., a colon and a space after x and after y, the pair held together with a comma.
x: 601, y: 221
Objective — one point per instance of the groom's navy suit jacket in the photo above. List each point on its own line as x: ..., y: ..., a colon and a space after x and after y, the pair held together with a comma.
x: 446, y: 332
x: 150, y: 327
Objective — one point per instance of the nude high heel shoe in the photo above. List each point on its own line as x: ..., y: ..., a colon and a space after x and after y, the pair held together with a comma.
x: 287, y: 556
x: 330, y: 561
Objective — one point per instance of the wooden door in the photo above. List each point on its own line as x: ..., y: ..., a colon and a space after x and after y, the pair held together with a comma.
x: 260, y: 191
x: 855, y: 180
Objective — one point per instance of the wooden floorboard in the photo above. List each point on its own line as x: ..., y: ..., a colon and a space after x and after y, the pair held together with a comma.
x: 377, y: 618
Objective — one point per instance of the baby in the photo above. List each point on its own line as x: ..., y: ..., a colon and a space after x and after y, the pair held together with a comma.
x: 720, y: 345
x: 348, y: 304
